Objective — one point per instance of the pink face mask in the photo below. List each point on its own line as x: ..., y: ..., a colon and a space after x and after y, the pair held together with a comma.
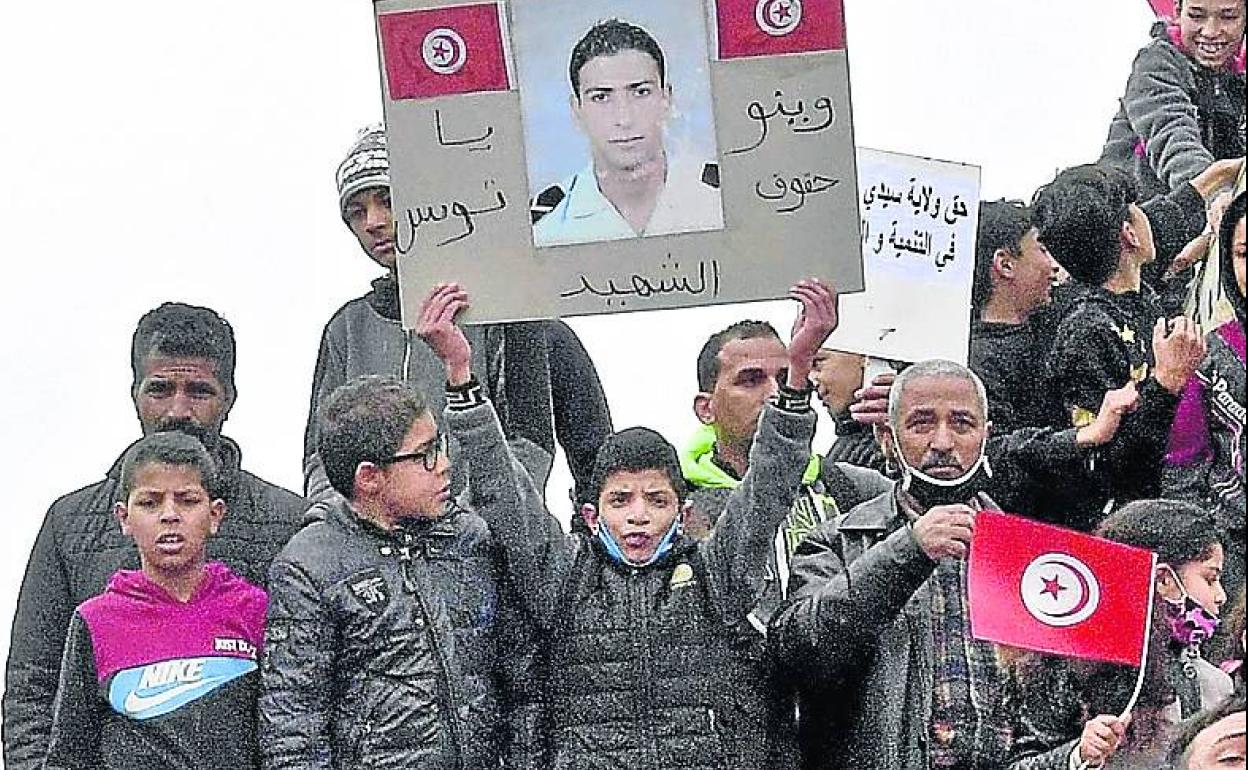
x: 1190, y: 623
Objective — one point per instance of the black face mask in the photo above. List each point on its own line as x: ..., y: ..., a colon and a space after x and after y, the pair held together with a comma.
x: 931, y: 491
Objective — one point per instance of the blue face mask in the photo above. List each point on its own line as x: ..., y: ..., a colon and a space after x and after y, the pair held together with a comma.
x: 613, y: 548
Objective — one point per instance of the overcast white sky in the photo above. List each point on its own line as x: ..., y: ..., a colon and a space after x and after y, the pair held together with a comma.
x: 160, y: 151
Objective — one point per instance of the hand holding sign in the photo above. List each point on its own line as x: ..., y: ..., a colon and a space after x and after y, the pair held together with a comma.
x: 437, y: 327
x: 815, y: 321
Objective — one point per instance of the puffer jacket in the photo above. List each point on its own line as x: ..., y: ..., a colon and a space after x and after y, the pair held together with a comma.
x: 661, y: 669
x: 1176, y: 116
x: 828, y: 490
x: 79, y: 548
x: 383, y: 649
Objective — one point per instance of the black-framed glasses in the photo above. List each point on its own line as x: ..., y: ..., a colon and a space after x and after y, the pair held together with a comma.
x: 428, y: 457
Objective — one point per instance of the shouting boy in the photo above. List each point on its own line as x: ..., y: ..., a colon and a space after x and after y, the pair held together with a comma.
x: 661, y: 666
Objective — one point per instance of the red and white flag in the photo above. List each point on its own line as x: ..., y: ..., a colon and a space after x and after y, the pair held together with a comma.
x: 1045, y: 588
x: 442, y: 51
x: 1165, y: 9
x: 772, y: 27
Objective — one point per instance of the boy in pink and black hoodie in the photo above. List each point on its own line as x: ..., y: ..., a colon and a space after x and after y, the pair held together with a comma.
x: 1205, y: 458
x: 159, y: 671
x: 1183, y: 107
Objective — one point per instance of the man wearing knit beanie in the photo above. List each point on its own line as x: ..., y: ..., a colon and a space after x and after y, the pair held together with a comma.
x: 533, y: 371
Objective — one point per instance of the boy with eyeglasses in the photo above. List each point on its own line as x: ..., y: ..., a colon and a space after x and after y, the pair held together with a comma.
x: 388, y: 620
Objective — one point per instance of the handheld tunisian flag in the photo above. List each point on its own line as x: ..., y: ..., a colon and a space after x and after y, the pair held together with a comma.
x: 1050, y: 589
x: 772, y: 27
x: 1163, y: 8
x: 442, y: 51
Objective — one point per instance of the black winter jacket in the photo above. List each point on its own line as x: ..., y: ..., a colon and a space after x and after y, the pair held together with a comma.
x: 1103, y: 343
x: 79, y: 548
x: 660, y: 667
x: 383, y: 649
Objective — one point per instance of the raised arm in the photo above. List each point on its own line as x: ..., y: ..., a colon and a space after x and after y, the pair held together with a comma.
x: 736, y: 552
x: 500, y: 490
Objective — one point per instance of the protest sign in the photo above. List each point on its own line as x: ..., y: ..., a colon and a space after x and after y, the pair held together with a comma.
x: 919, y: 222
x: 1040, y: 587
x: 693, y: 152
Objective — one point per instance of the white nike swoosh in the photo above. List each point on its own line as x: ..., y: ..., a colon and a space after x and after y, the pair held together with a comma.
x: 136, y: 703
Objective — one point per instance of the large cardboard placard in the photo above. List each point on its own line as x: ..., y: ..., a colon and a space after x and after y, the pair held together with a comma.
x: 724, y: 176
x: 919, y: 223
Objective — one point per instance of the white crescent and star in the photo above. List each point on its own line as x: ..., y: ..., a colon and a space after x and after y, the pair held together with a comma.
x: 778, y: 17
x: 444, y: 51
x: 1059, y: 590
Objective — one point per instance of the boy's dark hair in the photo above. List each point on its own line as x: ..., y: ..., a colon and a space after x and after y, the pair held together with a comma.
x: 170, y: 448
x: 708, y: 359
x: 365, y: 420
x: 634, y: 449
x: 1080, y: 215
x: 1002, y: 225
x: 1195, y: 725
x: 607, y: 38
x: 179, y: 330
x: 1178, y: 532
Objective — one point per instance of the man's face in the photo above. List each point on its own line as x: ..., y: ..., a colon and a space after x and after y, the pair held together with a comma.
x: 622, y: 108
x: 1237, y: 254
x: 637, y: 508
x: 1220, y: 746
x: 1035, y: 272
x: 410, y: 490
x: 170, y: 516
x: 182, y: 394
x: 368, y: 215
x: 1211, y: 30
x: 941, y: 426
x: 836, y: 376
x: 749, y: 373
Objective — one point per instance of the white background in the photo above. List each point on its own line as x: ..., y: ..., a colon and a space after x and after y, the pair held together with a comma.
x: 156, y: 150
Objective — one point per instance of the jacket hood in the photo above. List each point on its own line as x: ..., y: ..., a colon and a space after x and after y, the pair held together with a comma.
x: 1234, y: 213
x: 133, y: 584
x: 697, y: 463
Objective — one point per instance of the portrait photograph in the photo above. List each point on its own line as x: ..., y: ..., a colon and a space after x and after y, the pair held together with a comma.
x: 618, y: 122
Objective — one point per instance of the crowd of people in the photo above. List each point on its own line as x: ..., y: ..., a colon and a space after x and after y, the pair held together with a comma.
x: 743, y: 602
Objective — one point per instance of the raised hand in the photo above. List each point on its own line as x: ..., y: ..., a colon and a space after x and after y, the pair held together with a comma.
x: 436, y: 326
x: 1177, y: 352
x: 815, y: 321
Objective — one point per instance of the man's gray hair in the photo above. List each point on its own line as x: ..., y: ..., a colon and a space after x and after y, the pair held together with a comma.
x: 933, y: 367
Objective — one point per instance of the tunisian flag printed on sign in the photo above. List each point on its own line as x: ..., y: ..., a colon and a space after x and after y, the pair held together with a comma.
x: 770, y: 27
x: 442, y: 51
x: 1050, y: 589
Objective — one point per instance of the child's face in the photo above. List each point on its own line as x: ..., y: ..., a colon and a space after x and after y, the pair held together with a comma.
x: 170, y: 516
x: 1211, y: 30
x: 637, y: 508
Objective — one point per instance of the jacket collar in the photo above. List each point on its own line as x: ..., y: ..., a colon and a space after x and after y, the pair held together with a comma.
x: 697, y: 463
x: 341, y: 513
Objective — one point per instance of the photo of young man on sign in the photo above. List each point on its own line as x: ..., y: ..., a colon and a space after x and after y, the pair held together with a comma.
x: 620, y: 89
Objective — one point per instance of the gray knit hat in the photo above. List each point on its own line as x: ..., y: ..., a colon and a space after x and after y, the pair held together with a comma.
x: 365, y: 166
